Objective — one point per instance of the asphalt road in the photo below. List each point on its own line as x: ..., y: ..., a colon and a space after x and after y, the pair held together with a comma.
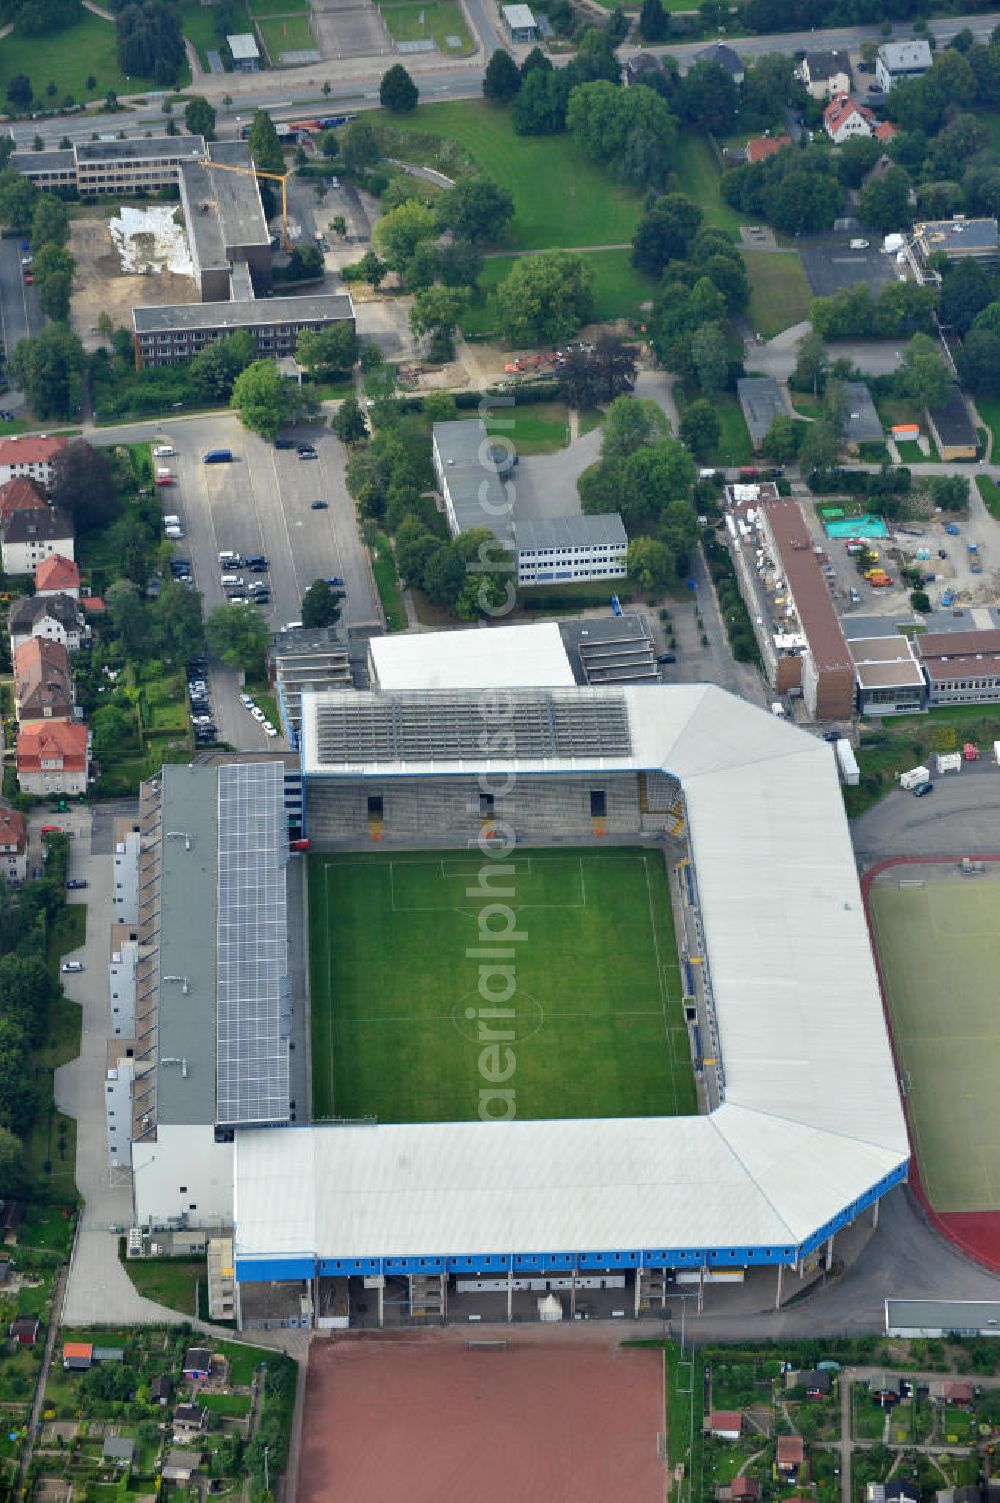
x: 19, y: 311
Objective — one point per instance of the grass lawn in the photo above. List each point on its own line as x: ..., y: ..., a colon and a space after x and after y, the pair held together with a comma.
x: 199, y: 24
x: 226, y: 1403
x: 267, y: 8
x: 19, y: 425
x: 595, y: 1022
x: 559, y: 198
x: 286, y: 34
x: 169, y: 1281
x: 734, y: 445
x: 536, y: 428
x: 779, y: 292
x: 698, y: 174
x: 989, y: 410
x: 440, y: 19
x: 387, y: 579
x: 67, y: 58
x: 990, y: 492
x: 619, y: 291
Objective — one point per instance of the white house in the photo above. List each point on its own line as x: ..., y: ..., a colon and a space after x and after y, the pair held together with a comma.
x: 30, y: 455
x: 13, y: 844
x: 844, y: 119
x: 53, y: 756
x: 56, y: 617
x: 30, y: 537
x: 825, y: 74
x: 896, y: 60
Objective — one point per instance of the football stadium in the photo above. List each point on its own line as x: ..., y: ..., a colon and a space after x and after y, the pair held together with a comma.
x: 592, y: 1001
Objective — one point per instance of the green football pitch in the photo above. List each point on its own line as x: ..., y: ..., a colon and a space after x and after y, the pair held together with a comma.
x: 411, y: 1024
x: 939, y: 947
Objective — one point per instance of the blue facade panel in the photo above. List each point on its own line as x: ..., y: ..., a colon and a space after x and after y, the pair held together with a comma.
x: 273, y: 1270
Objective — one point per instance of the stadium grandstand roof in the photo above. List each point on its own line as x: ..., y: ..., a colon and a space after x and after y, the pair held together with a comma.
x: 811, y: 1128
x: 499, y: 657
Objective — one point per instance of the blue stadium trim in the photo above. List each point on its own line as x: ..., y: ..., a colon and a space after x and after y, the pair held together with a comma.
x: 299, y: 1266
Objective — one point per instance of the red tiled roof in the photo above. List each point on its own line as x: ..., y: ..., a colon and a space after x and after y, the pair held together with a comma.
x: 20, y: 494
x: 841, y: 108
x: 766, y: 146
x: 51, y: 740
x: 13, y: 828
x: 885, y: 130
x: 78, y: 1349
x: 57, y: 573
x: 725, y: 1419
x: 32, y: 448
x: 791, y: 1451
x: 93, y: 605
x: 37, y: 656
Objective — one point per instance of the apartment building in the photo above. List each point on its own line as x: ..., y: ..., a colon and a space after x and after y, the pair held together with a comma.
x: 30, y: 537
x: 43, y: 681
x: 53, y: 757
x: 29, y: 456
x: 570, y: 548
x: 165, y: 335
x: 13, y: 844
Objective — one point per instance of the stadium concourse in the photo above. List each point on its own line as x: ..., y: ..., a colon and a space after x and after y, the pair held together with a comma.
x: 340, y: 1223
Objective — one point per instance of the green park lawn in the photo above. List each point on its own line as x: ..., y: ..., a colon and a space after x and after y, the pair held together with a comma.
x: 698, y: 174
x: 199, y: 23
x: 779, y: 292
x: 437, y: 19
x: 67, y: 58
x: 538, y: 428
x: 596, y: 1018
x: 619, y: 291
x: 286, y: 34
x: 559, y: 198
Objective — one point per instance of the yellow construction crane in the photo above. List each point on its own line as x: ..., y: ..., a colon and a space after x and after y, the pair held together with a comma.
x: 255, y: 171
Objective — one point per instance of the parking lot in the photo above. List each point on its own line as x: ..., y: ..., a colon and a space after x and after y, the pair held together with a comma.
x: 19, y: 311
x: 830, y: 263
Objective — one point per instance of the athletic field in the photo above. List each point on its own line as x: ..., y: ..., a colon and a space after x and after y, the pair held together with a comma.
x: 939, y: 947
x: 578, y: 1016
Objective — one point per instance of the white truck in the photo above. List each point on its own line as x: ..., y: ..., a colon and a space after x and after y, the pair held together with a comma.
x: 847, y: 762
x: 948, y: 761
x: 914, y: 778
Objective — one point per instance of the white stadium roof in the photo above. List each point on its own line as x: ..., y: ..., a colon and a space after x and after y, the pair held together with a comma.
x: 811, y: 1122
x: 503, y: 657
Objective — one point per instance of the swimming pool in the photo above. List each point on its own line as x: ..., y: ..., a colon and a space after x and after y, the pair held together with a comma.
x: 868, y: 526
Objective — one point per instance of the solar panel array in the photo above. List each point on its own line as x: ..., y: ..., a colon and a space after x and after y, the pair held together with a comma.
x: 253, y: 1003
x: 456, y: 726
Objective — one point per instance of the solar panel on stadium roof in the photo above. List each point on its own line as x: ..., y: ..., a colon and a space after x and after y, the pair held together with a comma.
x: 252, y: 927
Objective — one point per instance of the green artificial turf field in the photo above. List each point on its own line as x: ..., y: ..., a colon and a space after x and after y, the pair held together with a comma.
x: 939, y: 947
x: 401, y: 1032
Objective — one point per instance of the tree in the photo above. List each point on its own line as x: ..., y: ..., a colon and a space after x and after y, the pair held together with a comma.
x: 19, y: 91
x: 18, y: 198
x: 950, y: 492
x: 128, y: 616
x: 965, y: 292
x: 544, y: 299
x: 49, y: 223
x: 630, y: 131
x: 707, y: 98
x: 818, y: 450
x: 214, y: 369
x: 150, y: 41
x: 176, y: 621
x: 654, y: 22
x: 665, y: 233
x: 711, y: 358
x: 476, y: 209
x: 399, y: 232
x: 397, y: 91
x: 700, y: 428
x: 261, y: 396
x: 783, y: 438
x: 884, y: 202
x: 54, y: 296
x: 12, y: 1176
x: 810, y: 362
x: 436, y: 311
x: 265, y: 147
x: 651, y: 565
x: 630, y: 423
x: 979, y: 362
x: 459, y: 263
x: 539, y: 106
x: 444, y: 575
x: 83, y: 484
x: 199, y: 117
x: 320, y: 606
x: 324, y: 351
x: 238, y: 634
x: 48, y: 368
x: 599, y: 373
x: 502, y: 79
x: 924, y: 376
x: 348, y: 422
x: 856, y: 158
x: 360, y: 146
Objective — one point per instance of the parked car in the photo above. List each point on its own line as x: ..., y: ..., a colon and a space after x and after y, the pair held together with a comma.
x: 70, y: 967
x: 76, y: 883
x: 923, y: 790
x: 335, y: 581
x: 305, y: 448
x: 246, y: 701
x: 163, y: 451
x: 269, y: 730
x: 318, y: 505
x: 666, y: 657
x: 284, y: 443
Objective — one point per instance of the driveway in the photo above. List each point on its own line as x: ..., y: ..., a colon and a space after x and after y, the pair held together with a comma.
x: 776, y: 357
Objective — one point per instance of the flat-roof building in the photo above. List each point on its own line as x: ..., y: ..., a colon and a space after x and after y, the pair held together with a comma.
x: 308, y: 660
x: 226, y: 227
x: 889, y: 677
x: 918, y: 1319
x: 907, y: 59
x: 531, y: 656
x: 862, y: 424
x: 244, y: 52
x: 952, y: 429
x: 962, y: 667
x: 957, y: 239
x: 141, y: 164
x: 520, y: 23
x: 174, y: 332
x: 761, y: 401
x: 610, y: 649
x: 556, y: 550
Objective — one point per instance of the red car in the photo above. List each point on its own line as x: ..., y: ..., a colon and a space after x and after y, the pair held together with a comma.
x: 29, y: 278
x: 51, y: 829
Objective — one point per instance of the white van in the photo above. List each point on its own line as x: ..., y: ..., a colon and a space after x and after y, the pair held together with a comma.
x: 229, y: 560
x: 232, y: 581
x: 171, y: 520
x: 163, y: 451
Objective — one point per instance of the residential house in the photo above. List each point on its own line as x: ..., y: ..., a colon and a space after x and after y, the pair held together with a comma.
x: 844, y: 119
x: 109, y: 1354
x: 13, y: 846
x: 119, y: 1450
x: 161, y: 1389
x: 959, y: 1393
x: 898, y: 1491
x: 825, y: 74
x: 24, y: 1330
x: 29, y: 455
x: 21, y: 494
x: 817, y: 1383
x: 790, y: 1456
x: 58, y: 576
x: 43, y: 682
x: 53, y: 757
x: 642, y: 62
x: 886, y: 1390
x: 56, y: 618
x: 896, y: 60
x: 745, y: 1490
x: 952, y: 429
x: 180, y: 1466
x: 723, y: 57
x: 78, y: 1356
x: 189, y: 1422
x: 862, y: 424
x: 29, y: 537
x: 725, y: 1424
x: 761, y: 401
x: 968, y: 1494
x: 197, y: 1363
x: 759, y: 148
